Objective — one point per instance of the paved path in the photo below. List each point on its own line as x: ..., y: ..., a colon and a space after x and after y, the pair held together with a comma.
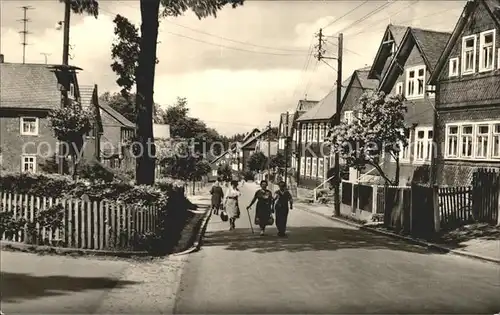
x: 327, y: 267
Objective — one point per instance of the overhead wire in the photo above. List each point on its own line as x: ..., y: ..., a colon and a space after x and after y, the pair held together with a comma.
x: 346, y: 14
x: 369, y: 14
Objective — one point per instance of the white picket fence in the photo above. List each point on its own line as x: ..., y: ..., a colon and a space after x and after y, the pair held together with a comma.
x: 85, y: 224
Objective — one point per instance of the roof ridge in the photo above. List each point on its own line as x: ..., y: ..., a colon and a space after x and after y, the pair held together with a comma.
x: 429, y: 30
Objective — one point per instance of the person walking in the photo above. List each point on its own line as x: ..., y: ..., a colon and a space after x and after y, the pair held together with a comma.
x: 217, y: 197
x: 282, y: 201
x: 231, y: 204
x: 263, y: 210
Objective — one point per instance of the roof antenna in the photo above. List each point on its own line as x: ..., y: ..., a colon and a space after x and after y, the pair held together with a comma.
x: 305, y: 97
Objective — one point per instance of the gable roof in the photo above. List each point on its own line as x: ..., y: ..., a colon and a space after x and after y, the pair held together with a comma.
x: 86, y: 92
x: 283, y: 120
x: 383, y: 56
x: 429, y: 43
x: 305, y: 105
x: 30, y: 86
x: 362, y: 76
x: 327, y: 107
x: 249, y: 134
x: 492, y: 6
x: 116, y: 115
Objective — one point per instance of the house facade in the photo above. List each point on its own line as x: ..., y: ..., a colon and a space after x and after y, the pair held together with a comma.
x: 467, y: 80
x: 28, y: 92
x: 411, y: 65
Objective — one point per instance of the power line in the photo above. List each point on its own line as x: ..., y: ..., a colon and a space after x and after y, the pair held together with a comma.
x: 25, y: 32
x: 346, y: 14
x: 369, y: 14
x: 236, y: 41
x: 233, y: 48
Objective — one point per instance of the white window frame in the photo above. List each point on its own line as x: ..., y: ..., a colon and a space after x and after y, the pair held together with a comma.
x: 448, y: 136
x: 452, y: 73
x: 425, y: 143
x: 485, y: 137
x: 314, y: 167
x: 348, y: 116
x: 308, y: 166
x: 399, y: 88
x: 474, y: 52
x: 494, y: 135
x: 482, y: 36
x: 404, y: 152
x: 462, y: 135
x: 315, y: 133
x: 23, y: 162
x: 321, y: 161
x: 498, y: 58
x: 321, y: 136
x: 304, y: 133
x: 302, y: 166
x: 309, y: 133
x: 415, y: 81
x: 431, y: 91
x: 21, y: 127
x: 71, y: 92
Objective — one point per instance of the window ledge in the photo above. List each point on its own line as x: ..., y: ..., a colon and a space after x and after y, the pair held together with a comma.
x: 468, y: 72
x: 486, y: 70
x: 470, y: 159
x: 30, y: 134
x: 416, y: 97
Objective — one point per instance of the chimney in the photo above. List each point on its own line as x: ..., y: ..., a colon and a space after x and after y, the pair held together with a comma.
x: 1, y: 58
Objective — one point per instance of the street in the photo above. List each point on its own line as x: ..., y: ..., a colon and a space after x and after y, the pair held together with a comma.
x: 328, y: 267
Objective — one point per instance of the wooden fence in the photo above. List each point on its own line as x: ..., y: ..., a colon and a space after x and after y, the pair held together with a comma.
x: 455, y: 206
x: 77, y: 223
x: 485, y: 196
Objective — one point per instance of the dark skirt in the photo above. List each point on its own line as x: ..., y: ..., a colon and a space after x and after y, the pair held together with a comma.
x: 262, y: 214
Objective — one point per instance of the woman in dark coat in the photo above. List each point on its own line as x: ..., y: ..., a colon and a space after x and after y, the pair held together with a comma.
x: 264, y: 209
x: 283, y: 203
x: 217, y: 196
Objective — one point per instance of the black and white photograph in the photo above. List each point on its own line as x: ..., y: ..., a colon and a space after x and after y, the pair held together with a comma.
x: 249, y: 157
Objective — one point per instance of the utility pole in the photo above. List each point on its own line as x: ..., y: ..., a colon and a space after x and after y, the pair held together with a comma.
x: 287, y: 128
x: 269, y: 152
x: 336, y: 117
x: 65, y: 61
x: 45, y: 55
x: 25, y: 32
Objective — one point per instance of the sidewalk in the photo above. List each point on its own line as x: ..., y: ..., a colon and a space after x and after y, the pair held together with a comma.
x: 467, y: 241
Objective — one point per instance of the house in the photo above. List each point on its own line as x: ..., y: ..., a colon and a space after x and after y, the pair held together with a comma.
x: 312, y: 150
x: 467, y: 80
x: 268, y: 148
x: 358, y: 84
x: 413, y: 62
x: 239, y: 155
x: 161, y: 134
x: 285, y: 134
x: 28, y: 92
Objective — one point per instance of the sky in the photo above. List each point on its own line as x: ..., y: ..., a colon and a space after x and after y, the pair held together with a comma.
x: 238, y: 71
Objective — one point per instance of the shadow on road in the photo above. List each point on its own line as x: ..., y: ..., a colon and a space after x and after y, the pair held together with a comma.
x: 16, y: 287
x: 306, y: 239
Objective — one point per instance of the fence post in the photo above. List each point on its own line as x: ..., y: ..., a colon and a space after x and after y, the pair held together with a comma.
x: 374, y: 199
x: 498, y: 215
x: 353, y: 201
x: 437, y: 214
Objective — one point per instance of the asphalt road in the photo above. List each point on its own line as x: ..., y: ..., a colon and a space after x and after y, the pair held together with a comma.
x: 327, y: 267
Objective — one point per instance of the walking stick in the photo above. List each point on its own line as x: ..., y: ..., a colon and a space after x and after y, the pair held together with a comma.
x: 250, y: 220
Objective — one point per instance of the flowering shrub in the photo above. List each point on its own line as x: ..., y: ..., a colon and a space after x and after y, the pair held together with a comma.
x: 70, y: 123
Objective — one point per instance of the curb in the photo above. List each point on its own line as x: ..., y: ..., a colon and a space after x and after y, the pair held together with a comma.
x: 199, y: 238
x: 428, y: 245
x: 43, y: 249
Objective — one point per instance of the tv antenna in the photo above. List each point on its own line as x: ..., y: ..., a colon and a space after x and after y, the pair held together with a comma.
x: 25, y: 31
x: 45, y: 55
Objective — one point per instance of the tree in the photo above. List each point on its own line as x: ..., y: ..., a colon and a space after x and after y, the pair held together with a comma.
x: 126, y: 106
x: 278, y: 161
x: 184, y: 164
x: 69, y: 125
x: 257, y: 162
x: 225, y: 172
x: 378, y: 128
x: 146, y: 63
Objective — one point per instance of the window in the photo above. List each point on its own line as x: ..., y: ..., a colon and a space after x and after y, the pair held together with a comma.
x: 451, y: 141
x: 321, y: 133
x: 348, y: 117
x: 404, y: 153
x: 304, y: 134
x: 314, y: 171
x: 315, y: 133
x: 453, y: 70
x: 29, y: 126
x: 498, y: 58
x: 399, y: 88
x: 308, y: 166
x: 469, y: 54
x: 309, y: 133
x: 302, y: 166
x: 482, y: 135
x: 423, y: 144
x: 415, y: 82
x: 431, y: 91
x: 495, y: 152
x: 466, y: 140
x: 71, y: 92
x: 321, y: 168
x: 486, y: 50
x: 296, y: 135
x: 28, y: 164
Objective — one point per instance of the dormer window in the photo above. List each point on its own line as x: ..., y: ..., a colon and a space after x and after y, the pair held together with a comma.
x: 453, y: 70
x: 469, y: 54
x: 486, y: 50
x: 71, y: 92
x: 415, y: 82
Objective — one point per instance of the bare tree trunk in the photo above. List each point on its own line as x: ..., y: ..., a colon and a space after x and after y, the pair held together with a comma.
x: 396, y: 179
x: 145, y: 169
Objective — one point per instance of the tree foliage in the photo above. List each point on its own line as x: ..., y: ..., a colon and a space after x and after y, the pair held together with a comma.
x: 257, y: 162
x: 278, y: 161
x: 379, y: 127
x: 90, y: 7
x: 127, y: 107
x: 225, y: 172
x: 184, y: 164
